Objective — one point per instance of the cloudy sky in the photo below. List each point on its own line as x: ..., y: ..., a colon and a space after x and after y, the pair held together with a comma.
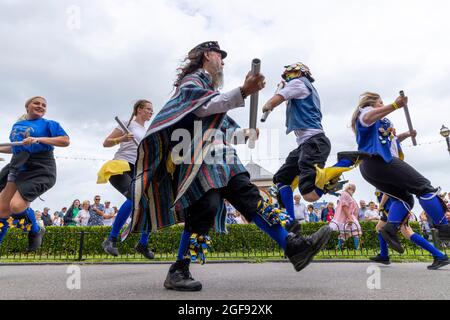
x: 93, y: 59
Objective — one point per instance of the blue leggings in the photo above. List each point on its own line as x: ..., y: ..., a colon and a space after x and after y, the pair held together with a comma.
x: 122, y: 216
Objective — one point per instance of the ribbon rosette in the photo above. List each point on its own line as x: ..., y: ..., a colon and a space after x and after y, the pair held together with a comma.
x: 199, y: 247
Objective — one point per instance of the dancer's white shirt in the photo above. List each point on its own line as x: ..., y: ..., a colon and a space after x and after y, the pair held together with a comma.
x: 296, y: 89
x: 128, y: 150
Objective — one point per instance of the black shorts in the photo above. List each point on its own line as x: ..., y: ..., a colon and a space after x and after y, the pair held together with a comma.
x: 122, y: 182
x: 38, y: 178
x: 397, y: 179
x: 301, y: 163
x: 240, y: 192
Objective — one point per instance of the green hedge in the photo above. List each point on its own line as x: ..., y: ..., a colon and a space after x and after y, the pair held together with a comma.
x: 65, y: 241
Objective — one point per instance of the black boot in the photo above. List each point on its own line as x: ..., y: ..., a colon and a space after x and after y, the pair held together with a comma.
x: 110, y: 247
x: 35, y: 240
x: 180, y: 279
x: 301, y: 251
x: 380, y: 259
x: 390, y: 234
x: 444, y: 232
x: 294, y: 227
x: 439, y: 263
x: 145, y: 251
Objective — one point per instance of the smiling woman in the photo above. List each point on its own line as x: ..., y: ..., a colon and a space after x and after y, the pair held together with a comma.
x: 32, y: 170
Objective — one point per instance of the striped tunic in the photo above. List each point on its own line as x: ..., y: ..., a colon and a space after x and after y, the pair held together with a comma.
x: 158, y: 200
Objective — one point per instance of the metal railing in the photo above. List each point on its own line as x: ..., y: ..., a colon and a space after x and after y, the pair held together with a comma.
x: 239, y: 244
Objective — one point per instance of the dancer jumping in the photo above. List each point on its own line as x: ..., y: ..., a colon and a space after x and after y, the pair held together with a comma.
x: 32, y: 170
x: 396, y: 178
x: 304, y: 166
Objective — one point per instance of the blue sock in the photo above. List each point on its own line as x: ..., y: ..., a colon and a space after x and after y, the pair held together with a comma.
x: 421, y: 242
x: 340, y: 244
x: 288, y: 199
x: 121, y: 218
x: 343, y: 163
x: 276, y: 232
x: 184, y: 245
x: 143, y: 239
x: 384, y: 251
x: 34, y: 226
x: 356, y: 242
x: 4, y: 229
x: 397, y: 213
x: 433, y: 207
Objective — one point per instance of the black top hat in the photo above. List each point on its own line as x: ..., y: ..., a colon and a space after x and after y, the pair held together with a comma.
x: 209, y: 46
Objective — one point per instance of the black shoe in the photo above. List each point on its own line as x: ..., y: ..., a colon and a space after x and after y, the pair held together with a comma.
x: 145, y: 251
x: 180, y: 279
x: 390, y: 234
x: 353, y: 156
x: 334, y: 186
x: 380, y: 259
x: 444, y: 232
x: 439, y: 263
x: 294, y: 227
x: 301, y: 251
x: 110, y: 247
x: 35, y: 240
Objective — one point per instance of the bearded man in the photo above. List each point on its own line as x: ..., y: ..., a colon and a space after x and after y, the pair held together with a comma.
x: 178, y: 184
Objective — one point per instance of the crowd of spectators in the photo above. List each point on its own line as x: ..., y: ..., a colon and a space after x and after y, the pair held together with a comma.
x: 103, y: 214
x: 79, y: 214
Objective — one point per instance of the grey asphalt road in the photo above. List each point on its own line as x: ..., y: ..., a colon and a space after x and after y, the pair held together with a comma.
x: 267, y: 281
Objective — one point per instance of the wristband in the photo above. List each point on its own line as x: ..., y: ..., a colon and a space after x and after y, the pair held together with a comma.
x: 395, y: 105
x: 242, y: 93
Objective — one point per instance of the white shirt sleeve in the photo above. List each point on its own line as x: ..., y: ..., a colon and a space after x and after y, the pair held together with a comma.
x: 294, y: 89
x: 222, y: 103
x: 361, y: 117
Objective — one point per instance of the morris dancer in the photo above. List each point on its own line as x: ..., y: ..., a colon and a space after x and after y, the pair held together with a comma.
x: 304, y: 166
x: 384, y: 201
x: 395, y: 177
x: 120, y: 173
x: 32, y: 170
x: 195, y: 186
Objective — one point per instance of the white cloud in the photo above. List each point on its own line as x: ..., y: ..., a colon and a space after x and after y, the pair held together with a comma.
x: 126, y: 50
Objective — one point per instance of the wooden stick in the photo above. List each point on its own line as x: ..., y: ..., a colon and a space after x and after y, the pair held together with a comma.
x: 408, y: 119
x: 256, y: 69
x: 11, y: 144
x: 125, y: 129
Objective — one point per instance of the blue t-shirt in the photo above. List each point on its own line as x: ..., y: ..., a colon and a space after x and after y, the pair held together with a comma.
x: 37, y: 129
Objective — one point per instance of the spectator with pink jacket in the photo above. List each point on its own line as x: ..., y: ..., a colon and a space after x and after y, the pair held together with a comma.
x: 346, y: 218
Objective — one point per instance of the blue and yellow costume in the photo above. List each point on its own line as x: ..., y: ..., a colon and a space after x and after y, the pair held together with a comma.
x: 395, y: 178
